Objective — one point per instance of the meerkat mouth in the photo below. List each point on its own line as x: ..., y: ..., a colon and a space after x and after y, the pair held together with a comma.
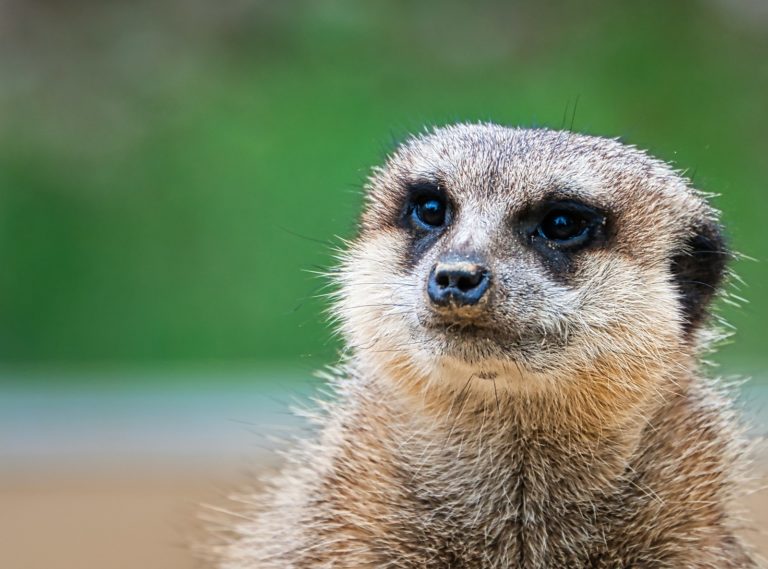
x: 489, y: 375
x: 472, y: 343
x: 475, y: 332
x: 465, y: 334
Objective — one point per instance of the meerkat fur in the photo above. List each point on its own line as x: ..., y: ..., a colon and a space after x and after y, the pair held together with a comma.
x: 561, y: 421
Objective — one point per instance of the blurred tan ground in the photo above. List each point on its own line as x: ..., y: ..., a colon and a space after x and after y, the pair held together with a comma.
x: 105, y: 522
x: 124, y: 521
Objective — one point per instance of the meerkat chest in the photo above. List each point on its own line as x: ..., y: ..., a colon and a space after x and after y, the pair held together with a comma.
x: 511, y: 502
x: 488, y: 494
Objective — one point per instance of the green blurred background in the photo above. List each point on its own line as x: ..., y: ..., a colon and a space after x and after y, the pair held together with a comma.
x: 171, y: 172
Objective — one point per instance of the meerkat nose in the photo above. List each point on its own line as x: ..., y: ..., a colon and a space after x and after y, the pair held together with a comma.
x: 460, y: 283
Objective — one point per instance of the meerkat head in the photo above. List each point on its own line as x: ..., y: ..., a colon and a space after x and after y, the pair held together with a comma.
x: 531, y: 256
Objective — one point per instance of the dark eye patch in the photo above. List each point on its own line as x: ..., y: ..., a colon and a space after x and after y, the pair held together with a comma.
x: 559, y: 228
x: 426, y: 213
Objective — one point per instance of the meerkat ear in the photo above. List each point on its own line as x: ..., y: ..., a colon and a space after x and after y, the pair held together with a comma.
x: 698, y: 271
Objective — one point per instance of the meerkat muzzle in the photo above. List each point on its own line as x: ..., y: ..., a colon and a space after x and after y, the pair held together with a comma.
x: 458, y: 283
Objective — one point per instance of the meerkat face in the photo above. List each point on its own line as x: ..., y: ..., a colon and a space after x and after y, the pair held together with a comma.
x: 527, y: 254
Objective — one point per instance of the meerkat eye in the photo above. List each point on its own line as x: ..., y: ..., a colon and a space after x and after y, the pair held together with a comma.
x: 428, y: 207
x: 561, y: 225
x: 568, y: 225
x: 430, y: 211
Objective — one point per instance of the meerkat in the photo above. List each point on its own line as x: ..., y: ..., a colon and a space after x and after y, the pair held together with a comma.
x: 524, y: 312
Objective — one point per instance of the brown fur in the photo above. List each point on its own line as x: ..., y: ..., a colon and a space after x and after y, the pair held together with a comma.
x: 566, y: 424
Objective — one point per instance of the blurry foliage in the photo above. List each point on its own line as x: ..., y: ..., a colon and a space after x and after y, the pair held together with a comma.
x: 157, y: 160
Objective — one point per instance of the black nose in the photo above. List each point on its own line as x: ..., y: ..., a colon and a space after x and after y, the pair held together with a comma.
x: 458, y: 283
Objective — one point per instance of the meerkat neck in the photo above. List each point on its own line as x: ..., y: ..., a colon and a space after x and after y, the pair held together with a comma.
x: 584, y: 406
x: 562, y: 438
